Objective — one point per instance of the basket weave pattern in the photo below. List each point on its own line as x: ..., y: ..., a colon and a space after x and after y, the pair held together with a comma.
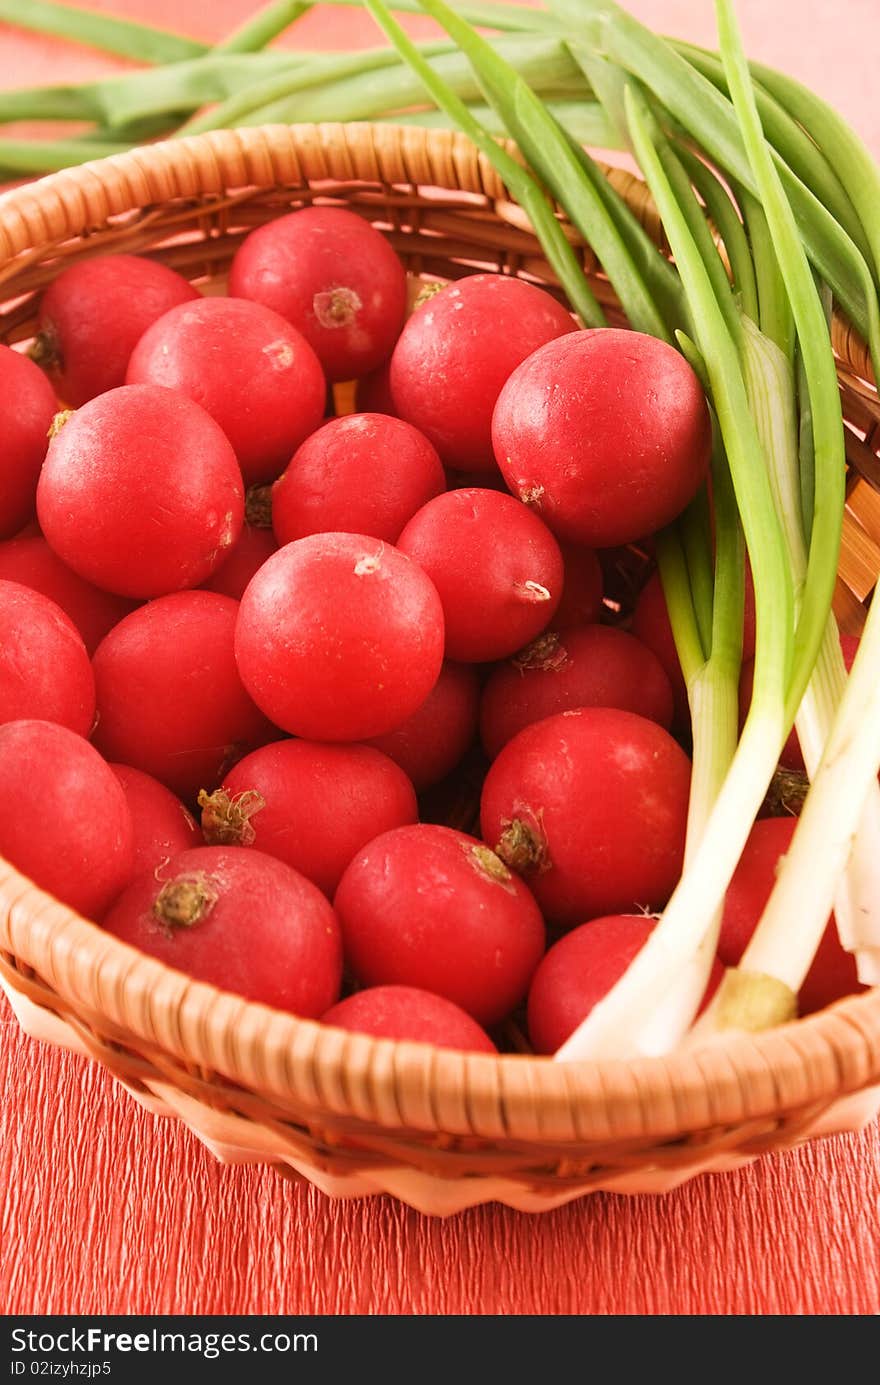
x: 440, y: 1130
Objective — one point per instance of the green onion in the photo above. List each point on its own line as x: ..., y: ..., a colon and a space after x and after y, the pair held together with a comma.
x: 698, y: 106
x: 261, y: 28
x: 856, y: 169
x: 584, y: 121
x: 487, y: 16
x: 21, y: 157
x: 119, y: 99
x: 324, y: 71
x: 522, y: 186
x: 788, y: 139
x: 819, y: 366
x: 728, y: 225
x: 778, y: 956
x: 123, y: 36
x: 657, y: 274
x: 774, y: 314
x: 696, y: 537
x: 674, y: 576
x: 661, y: 986
x: 544, y: 61
x: 550, y: 154
x: 770, y: 381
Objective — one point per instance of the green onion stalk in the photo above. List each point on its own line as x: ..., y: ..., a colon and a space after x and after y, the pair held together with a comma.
x: 760, y: 991
x: 760, y: 994
x: 795, y: 202
x: 651, y: 1008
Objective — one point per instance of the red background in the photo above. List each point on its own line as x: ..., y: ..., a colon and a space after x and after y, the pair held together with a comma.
x: 106, y: 1209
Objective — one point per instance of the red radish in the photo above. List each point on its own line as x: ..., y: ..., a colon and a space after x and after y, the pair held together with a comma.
x: 140, y: 492
x: 431, y: 742
x: 590, y: 806
x: 253, y: 373
x: 65, y: 823
x: 247, y: 555
x: 240, y: 920
x: 45, y: 672
x: 579, y: 971
x: 311, y: 805
x: 30, y: 561
x: 497, y: 568
x: 650, y: 624
x: 605, y: 433
x: 433, y: 908
x: 590, y: 666
x: 92, y: 316
x: 403, y: 1012
x: 162, y: 826
x: 791, y: 757
x: 582, y: 587
x: 362, y: 474
x: 339, y: 637
x: 170, y: 701
x: 373, y: 392
x: 26, y: 412
x: 455, y: 354
x: 833, y: 973
x: 334, y: 277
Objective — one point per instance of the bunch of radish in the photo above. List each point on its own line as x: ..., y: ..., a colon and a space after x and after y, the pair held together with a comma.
x: 246, y: 647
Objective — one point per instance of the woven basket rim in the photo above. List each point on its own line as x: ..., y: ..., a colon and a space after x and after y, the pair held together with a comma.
x: 741, y: 1078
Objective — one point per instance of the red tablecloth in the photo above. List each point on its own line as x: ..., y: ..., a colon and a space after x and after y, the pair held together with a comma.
x: 106, y: 1209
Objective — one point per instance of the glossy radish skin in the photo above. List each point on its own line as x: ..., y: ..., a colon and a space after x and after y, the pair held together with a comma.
x: 30, y: 561
x: 582, y: 586
x: 589, y: 666
x: 606, y: 434
x: 239, y: 920
x: 247, y: 367
x: 580, y: 969
x: 429, y: 907
x: 497, y: 568
x: 170, y: 701
x: 162, y: 825
x: 117, y: 505
x: 431, y: 742
x: 833, y: 972
x: 404, y: 1012
x: 362, y: 474
x: 339, y: 637
x: 334, y: 277
x: 310, y: 804
x: 67, y: 825
x: 590, y: 806
x: 455, y: 354
x: 45, y: 672
x: 93, y: 315
x: 27, y: 407
x: 247, y: 555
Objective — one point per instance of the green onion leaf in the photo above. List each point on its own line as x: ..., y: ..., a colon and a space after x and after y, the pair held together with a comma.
x: 522, y: 186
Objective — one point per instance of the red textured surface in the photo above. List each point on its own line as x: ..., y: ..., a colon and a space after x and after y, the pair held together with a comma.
x: 106, y: 1209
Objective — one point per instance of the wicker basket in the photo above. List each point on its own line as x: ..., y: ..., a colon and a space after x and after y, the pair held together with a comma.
x: 440, y: 1130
